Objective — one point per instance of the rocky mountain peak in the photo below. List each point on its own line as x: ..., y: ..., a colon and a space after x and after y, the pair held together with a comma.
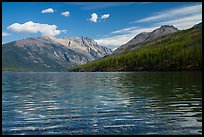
x: 47, y: 37
x: 167, y: 28
x: 49, y: 53
x: 199, y: 25
x: 163, y: 30
x: 147, y: 36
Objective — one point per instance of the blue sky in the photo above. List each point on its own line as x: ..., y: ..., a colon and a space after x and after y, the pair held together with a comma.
x: 109, y: 23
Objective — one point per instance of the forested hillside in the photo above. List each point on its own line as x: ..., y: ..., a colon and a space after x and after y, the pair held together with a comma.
x: 181, y: 50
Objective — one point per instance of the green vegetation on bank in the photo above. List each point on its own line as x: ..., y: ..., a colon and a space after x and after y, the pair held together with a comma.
x: 178, y: 51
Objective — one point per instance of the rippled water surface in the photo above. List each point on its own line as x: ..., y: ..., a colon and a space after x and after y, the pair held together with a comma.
x: 102, y: 103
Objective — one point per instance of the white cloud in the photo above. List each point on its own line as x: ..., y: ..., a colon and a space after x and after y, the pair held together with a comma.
x: 49, y: 10
x: 66, y: 13
x: 5, y: 34
x: 113, y: 49
x: 185, y: 22
x: 114, y: 40
x: 122, y: 37
x: 31, y: 27
x: 105, y: 16
x: 174, y: 13
x: 181, y: 18
x: 64, y: 31
x: 125, y: 30
x: 94, y: 17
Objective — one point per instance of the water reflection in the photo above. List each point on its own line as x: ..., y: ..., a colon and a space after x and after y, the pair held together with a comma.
x: 102, y: 103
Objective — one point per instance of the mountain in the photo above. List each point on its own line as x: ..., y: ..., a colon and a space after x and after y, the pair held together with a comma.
x: 146, y: 36
x: 178, y: 51
x: 199, y: 26
x: 47, y: 53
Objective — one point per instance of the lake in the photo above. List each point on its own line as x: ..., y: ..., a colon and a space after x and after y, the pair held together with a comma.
x: 102, y: 103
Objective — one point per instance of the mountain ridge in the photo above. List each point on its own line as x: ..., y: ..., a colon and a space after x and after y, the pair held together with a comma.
x: 50, y: 53
x: 179, y: 51
x: 146, y: 36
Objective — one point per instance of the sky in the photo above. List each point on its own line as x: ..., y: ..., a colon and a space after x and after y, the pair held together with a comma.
x: 111, y: 24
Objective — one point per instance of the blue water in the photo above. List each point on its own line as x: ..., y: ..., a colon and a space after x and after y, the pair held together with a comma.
x: 138, y: 103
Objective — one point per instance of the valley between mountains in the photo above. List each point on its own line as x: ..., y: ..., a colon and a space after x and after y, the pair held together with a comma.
x: 164, y: 49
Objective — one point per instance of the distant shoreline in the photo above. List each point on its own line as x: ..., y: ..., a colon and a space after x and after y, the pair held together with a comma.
x: 112, y: 71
